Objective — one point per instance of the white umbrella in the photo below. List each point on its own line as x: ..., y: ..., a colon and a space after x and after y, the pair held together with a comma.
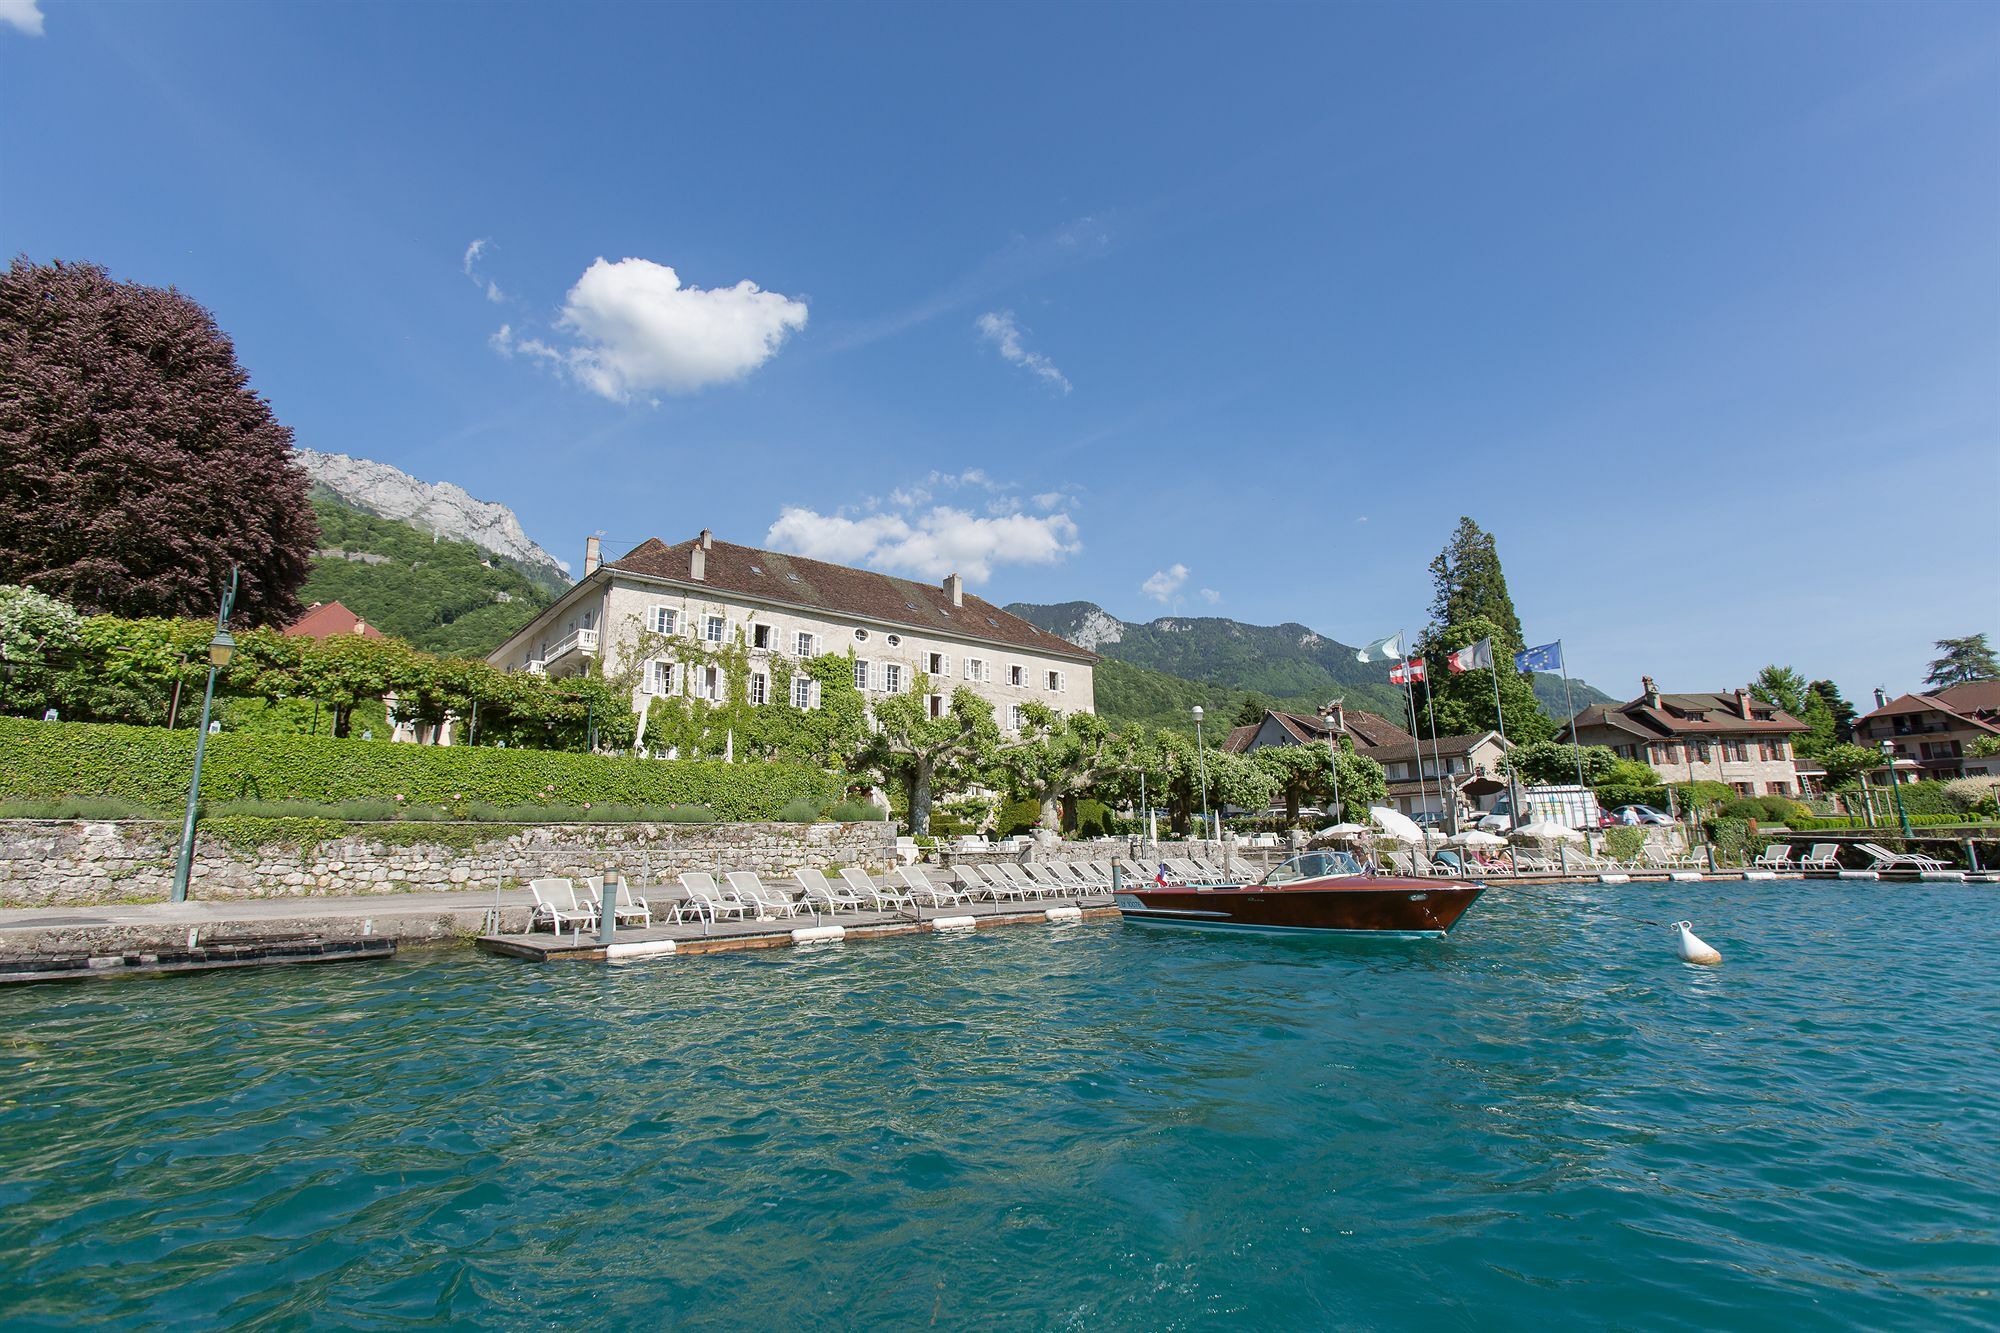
x: 1342, y: 830
x: 1547, y: 830
x: 1396, y: 824
x: 1475, y: 838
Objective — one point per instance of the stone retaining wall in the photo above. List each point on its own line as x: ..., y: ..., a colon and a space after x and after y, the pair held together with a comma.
x: 59, y: 862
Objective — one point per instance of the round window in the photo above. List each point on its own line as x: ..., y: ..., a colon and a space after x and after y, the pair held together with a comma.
x: 895, y: 639
x: 861, y: 634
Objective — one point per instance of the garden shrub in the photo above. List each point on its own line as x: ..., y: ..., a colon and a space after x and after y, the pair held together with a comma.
x: 857, y: 812
x: 150, y: 766
x: 1017, y: 816
x: 1094, y: 819
x: 1625, y: 841
x: 1730, y: 837
x: 799, y: 811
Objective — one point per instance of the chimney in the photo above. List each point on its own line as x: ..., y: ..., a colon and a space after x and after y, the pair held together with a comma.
x: 593, y: 555
x: 698, y: 560
x: 1881, y: 697
x: 1650, y: 690
x: 1743, y: 703
x: 1337, y: 711
x: 954, y: 588
x: 707, y: 539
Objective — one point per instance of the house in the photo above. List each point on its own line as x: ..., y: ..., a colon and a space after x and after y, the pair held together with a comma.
x: 1470, y: 764
x: 323, y: 620
x: 661, y: 615
x: 1732, y: 738
x: 1936, y: 730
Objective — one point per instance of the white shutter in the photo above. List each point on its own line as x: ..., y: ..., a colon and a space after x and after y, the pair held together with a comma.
x: 944, y: 666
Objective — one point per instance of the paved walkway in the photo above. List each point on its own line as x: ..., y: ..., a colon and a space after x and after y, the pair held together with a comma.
x: 404, y: 916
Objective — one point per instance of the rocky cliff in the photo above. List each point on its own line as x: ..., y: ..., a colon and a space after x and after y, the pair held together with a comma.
x: 439, y: 508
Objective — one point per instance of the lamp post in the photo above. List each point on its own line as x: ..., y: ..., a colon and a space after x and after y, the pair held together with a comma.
x: 1201, y: 764
x: 220, y: 649
x: 1333, y: 761
x: 1895, y: 787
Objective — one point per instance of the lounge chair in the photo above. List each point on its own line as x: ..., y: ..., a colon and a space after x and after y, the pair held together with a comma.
x: 1821, y: 856
x: 882, y: 897
x: 708, y: 900
x: 749, y: 888
x: 1888, y: 860
x: 556, y: 903
x: 1778, y: 856
x: 986, y: 881
x: 1017, y: 874
x: 628, y: 908
x: 827, y: 897
x: 923, y: 890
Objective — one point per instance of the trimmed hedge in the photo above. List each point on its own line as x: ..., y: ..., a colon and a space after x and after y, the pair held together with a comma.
x: 1887, y: 822
x: 150, y: 766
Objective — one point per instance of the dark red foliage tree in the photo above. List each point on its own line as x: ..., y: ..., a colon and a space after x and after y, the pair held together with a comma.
x: 136, y: 463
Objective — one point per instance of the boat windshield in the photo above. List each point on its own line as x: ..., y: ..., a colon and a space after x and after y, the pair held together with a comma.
x: 1313, y: 865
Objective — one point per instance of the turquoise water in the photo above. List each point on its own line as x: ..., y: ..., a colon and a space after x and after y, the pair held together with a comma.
x: 1544, y: 1121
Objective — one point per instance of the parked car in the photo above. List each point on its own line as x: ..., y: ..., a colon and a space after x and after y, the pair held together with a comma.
x: 1428, y: 819
x: 1635, y: 814
x: 1499, y: 821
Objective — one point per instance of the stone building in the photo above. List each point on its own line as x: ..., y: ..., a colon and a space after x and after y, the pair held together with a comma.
x: 1462, y: 775
x: 1735, y: 738
x: 662, y: 613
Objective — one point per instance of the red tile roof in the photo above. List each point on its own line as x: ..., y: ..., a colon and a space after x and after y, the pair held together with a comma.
x: 323, y: 620
x: 1688, y: 715
x: 815, y: 585
x: 1962, y: 709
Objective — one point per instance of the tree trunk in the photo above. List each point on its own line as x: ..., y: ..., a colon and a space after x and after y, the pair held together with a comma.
x: 1291, y: 805
x: 1069, y: 812
x: 343, y: 717
x: 920, y: 800
x: 1051, y: 816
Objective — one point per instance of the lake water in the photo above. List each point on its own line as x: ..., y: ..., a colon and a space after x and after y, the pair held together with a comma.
x: 1544, y: 1121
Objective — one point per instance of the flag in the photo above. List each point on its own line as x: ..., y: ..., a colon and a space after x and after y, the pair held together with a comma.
x: 1548, y: 657
x: 1160, y: 875
x: 1382, y: 650
x: 1406, y: 672
x: 1471, y: 657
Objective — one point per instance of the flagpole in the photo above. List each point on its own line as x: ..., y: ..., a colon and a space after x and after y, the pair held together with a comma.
x: 1416, y: 738
x: 1437, y: 764
x: 1569, y: 702
x: 1500, y: 715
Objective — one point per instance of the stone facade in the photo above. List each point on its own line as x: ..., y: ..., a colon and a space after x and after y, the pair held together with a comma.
x: 50, y: 862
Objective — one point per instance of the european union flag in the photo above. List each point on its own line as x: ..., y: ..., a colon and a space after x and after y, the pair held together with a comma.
x: 1548, y: 657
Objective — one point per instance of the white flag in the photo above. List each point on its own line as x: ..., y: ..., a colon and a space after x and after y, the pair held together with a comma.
x: 1382, y: 650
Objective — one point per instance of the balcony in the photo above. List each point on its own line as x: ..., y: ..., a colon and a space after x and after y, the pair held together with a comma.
x: 568, y: 653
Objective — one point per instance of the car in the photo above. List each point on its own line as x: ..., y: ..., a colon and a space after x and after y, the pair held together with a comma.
x: 1635, y: 814
x: 1499, y: 821
x: 1428, y: 819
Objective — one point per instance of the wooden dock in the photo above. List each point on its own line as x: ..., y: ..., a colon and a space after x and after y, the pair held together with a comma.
x: 696, y: 936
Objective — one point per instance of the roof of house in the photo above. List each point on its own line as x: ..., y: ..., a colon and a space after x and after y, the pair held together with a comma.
x: 1239, y: 738
x: 839, y: 590
x: 1687, y: 715
x: 1975, y: 696
x: 323, y: 620
x: 1448, y: 747
x: 1366, y: 728
x: 1962, y: 707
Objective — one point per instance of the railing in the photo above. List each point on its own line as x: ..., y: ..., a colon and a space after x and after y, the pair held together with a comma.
x: 583, y: 641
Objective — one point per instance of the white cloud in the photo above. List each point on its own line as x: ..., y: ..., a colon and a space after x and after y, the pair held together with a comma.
x: 1047, y: 500
x: 487, y: 285
x: 1211, y: 596
x: 1165, y: 583
x: 637, y: 330
x: 23, y: 14
x: 930, y: 543
x: 999, y: 328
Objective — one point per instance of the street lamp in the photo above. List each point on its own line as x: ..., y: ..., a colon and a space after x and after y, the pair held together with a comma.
x: 220, y: 649
x: 1333, y: 759
x: 1201, y: 762
x: 1889, y: 756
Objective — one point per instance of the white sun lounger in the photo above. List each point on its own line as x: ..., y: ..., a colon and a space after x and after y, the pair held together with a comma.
x: 750, y: 888
x: 707, y: 899
x: 826, y: 896
x: 1778, y: 856
x: 557, y: 904
x: 628, y: 907
x: 881, y: 896
x: 1888, y: 860
x: 1821, y: 856
x: 922, y: 890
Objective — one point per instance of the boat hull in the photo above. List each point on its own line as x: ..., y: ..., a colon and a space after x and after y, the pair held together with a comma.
x: 1346, y: 906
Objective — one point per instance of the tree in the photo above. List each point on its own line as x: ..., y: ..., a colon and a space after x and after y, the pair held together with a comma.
x: 1628, y: 782
x: 1985, y: 747
x: 1057, y: 758
x: 1470, y: 585
x: 1842, y: 712
x: 923, y: 754
x: 1960, y: 661
x: 1845, y: 764
x: 38, y: 634
x: 1785, y: 688
x: 136, y: 463
x: 1251, y: 711
x: 1550, y: 761
x: 1299, y: 773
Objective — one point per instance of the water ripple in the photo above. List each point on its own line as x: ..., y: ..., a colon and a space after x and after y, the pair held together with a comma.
x: 1544, y: 1120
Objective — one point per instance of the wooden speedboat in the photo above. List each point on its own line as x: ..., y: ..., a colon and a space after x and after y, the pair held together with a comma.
x: 1325, y: 892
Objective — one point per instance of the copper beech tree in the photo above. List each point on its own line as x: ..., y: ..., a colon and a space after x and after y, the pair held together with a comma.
x: 136, y: 463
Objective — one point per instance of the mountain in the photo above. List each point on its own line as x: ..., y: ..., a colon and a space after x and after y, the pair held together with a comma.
x: 1291, y: 663
x: 441, y: 594
x: 435, y: 508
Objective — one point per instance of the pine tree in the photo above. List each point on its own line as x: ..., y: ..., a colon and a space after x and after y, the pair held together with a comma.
x: 1963, y: 660
x: 1470, y: 585
x: 1842, y: 711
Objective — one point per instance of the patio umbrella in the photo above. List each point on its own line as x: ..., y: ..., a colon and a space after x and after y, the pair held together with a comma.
x: 1342, y: 830
x: 1475, y: 838
x: 1547, y: 830
x: 1395, y: 824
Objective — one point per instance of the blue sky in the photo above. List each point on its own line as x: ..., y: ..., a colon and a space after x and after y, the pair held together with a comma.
x: 1227, y: 310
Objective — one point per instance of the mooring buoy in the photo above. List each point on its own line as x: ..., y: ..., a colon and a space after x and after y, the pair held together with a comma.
x: 1691, y: 947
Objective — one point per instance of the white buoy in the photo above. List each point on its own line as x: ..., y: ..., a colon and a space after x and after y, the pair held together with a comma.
x: 1692, y: 948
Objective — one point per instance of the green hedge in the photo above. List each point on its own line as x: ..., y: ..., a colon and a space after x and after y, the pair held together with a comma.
x: 150, y: 765
x: 1888, y: 821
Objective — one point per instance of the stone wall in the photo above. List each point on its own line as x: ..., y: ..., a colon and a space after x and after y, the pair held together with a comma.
x: 51, y: 862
